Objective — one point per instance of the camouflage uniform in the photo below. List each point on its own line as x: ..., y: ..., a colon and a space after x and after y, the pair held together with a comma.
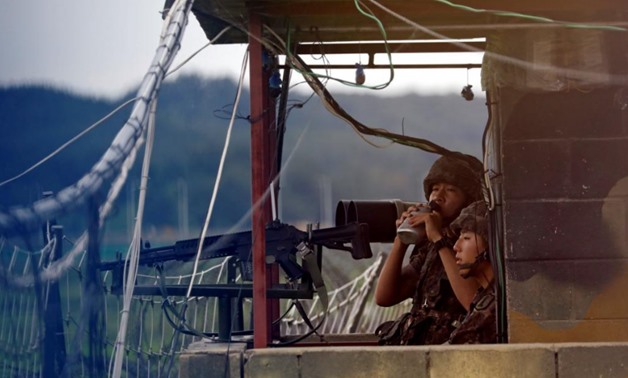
x: 435, y: 308
x: 479, y: 326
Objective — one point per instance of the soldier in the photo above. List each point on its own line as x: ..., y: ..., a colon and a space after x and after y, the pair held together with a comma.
x: 472, y: 258
x: 440, y: 295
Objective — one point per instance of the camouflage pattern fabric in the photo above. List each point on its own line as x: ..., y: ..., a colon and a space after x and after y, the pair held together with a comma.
x: 435, y: 308
x: 479, y: 326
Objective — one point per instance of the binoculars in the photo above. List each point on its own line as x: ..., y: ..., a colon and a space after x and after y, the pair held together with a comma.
x: 379, y: 215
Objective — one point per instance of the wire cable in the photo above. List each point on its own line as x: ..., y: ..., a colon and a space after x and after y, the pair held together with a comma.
x: 110, y: 163
x: 217, y: 182
x: 333, y: 107
x: 131, y: 261
x: 495, y: 232
x: 69, y: 142
x: 110, y: 114
x: 286, y: 50
x: 181, y: 316
x: 531, y: 17
x: 175, y: 25
x: 592, y: 77
x: 185, y: 61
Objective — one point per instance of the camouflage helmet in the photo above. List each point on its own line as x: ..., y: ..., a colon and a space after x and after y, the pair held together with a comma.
x: 463, y: 171
x: 473, y: 218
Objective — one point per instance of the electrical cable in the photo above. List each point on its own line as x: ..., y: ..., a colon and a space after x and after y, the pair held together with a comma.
x: 224, y: 113
x: 592, y: 77
x: 218, y: 174
x: 186, y: 329
x: 292, y: 304
x: 302, y: 337
x: 323, y: 57
x: 176, y: 20
x: 531, y: 17
x: 280, y: 121
x: 166, y: 305
x: 372, y: 16
x: 190, y: 331
x: 495, y: 238
x: 334, y: 108
x: 288, y: 54
x: 131, y: 261
x: 490, y: 200
x: 185, y: 61
x: 69, y: 142
x: 182, y: 325
x: 466, y: 47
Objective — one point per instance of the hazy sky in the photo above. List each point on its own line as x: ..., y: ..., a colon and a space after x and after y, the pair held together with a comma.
x: 103, y: 48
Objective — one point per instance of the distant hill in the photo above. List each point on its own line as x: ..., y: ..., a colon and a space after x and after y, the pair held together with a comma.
x: 324, y: 159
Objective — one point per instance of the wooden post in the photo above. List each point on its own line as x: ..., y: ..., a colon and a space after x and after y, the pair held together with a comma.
x: 261, y: 329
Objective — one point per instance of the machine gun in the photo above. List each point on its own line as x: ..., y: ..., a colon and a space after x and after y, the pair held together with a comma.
x: 282, y: 243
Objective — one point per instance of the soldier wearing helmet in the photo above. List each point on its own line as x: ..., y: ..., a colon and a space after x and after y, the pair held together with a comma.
x: 440, y: 295
x: 472, y: 258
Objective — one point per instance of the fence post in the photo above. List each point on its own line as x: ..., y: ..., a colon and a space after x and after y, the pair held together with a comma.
x: 53, y: 353
x: 93, y: 306
x: 54, y: 335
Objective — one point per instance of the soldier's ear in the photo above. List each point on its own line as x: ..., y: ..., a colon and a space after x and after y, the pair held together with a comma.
x: 482, y: 256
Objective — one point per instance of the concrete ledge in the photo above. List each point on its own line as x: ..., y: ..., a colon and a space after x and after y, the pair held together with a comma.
x: 607, y: 360
x: 499, y: 360
x: 272, y: 363
x: 512, y: 360
x: 205, y: 359
x: 364, y: 362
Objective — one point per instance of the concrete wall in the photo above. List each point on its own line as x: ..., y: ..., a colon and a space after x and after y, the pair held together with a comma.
x: 565, y: 197
x: 503, y: 360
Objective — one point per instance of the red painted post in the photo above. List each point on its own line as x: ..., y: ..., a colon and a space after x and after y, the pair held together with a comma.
x: 263, y: 143
x: 261, y: 329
